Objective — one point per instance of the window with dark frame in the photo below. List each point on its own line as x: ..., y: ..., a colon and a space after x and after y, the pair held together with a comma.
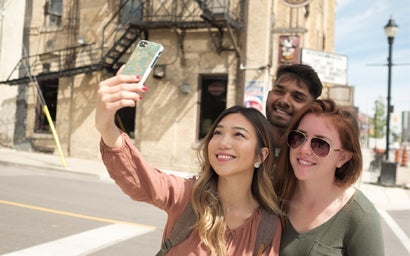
x: 212, y: 100
x: 131, y: 12
x: 125, y: 120
x: 53, y: 10
x: 49, y: 89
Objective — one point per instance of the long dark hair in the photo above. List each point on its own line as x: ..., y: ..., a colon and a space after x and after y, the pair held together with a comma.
x: 211, y: 223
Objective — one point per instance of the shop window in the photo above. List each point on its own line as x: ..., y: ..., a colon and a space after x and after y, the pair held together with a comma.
x: 49, y: 89
x: 53, y: 11
x: 212, y: 100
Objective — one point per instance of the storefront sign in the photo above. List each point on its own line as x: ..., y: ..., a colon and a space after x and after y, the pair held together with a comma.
x: 288, y: 50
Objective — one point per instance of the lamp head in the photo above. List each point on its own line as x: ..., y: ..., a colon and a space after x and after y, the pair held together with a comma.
x: 391, y: 28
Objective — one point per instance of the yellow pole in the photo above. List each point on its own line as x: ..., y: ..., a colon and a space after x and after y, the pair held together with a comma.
x: 33, y: 79
x: 55, y: 136
x: 120, y: 123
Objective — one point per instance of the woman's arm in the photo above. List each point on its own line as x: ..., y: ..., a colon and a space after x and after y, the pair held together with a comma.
x: 123, y: 161
x: 113, y: 94
x: 139, y: 180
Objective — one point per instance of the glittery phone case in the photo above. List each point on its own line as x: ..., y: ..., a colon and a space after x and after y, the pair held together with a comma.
x: 143, y: 59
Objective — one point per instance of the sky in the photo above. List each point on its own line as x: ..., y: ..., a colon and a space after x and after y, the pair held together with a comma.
x: 359, y: 35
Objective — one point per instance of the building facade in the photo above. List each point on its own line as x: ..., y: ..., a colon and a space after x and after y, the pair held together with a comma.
x: 218, y: 53
x: 11, y: 47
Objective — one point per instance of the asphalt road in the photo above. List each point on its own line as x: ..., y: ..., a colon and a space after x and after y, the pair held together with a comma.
x: 44, y: 212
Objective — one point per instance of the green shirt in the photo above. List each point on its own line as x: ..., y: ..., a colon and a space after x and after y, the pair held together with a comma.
x: 355, y: 230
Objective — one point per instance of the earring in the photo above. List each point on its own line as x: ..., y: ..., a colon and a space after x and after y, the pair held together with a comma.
x: 257, y: 164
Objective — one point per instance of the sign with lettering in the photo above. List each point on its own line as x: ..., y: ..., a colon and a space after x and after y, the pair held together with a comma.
x: 331, y: 68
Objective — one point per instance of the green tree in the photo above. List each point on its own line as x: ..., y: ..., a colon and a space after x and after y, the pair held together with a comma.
x: 379, y: 119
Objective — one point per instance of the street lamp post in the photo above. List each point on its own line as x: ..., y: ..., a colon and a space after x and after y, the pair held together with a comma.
x: 390, y: 30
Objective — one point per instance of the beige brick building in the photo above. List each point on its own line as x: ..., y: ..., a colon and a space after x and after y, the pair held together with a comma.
x: 217, y: 53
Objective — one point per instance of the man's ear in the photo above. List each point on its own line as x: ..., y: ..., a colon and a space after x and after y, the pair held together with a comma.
x: 344, y: 157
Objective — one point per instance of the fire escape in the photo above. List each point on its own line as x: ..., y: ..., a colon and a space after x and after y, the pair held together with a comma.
x: 129, y: 24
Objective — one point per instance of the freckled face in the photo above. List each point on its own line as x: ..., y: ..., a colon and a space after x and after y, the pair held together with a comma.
x: 232, y: 148
x: 284, y: 100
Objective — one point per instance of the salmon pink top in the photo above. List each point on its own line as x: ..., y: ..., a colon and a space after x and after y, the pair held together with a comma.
x: 172, y: 193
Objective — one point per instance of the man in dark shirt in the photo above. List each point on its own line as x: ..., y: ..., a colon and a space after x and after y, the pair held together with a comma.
x: 294, y: 87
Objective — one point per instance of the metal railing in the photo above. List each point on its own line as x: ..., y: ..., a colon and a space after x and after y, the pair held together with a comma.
x: 142, y: 14
x: 72, y: 60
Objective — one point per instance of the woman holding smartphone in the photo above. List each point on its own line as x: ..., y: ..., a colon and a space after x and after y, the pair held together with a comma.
x: 230, y: 195
x: 318, y: 165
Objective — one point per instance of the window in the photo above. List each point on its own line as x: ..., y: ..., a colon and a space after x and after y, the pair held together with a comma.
x: 215, y: 7
x: 125, y: 120
x: 53, y: 10
x: 212, y: 100
x: 49, y: 90
x: 131, y: 12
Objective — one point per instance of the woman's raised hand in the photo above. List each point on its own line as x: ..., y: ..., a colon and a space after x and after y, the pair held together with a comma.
x: 113, y: 94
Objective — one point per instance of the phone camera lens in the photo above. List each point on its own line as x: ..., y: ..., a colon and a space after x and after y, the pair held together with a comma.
x: 143, y: 44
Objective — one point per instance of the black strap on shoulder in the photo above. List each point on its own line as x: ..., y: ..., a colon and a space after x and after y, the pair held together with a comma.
x: 266, y: 231
x: 181, y: 230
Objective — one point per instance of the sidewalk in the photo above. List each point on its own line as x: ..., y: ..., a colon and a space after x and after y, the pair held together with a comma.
x: 52, y: 162
x: 385, y: 197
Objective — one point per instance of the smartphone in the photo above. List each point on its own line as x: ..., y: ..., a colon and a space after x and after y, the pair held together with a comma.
x: 143, y: 59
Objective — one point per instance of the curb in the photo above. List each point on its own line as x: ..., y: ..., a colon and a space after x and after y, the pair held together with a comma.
x: 103, y: 177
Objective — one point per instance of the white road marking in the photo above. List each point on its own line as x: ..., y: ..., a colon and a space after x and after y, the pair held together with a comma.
x: 396, y: 229
x: 86, y: 242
